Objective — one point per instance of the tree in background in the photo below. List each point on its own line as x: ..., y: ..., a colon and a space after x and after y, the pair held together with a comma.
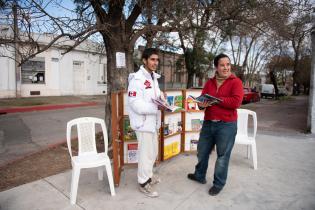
x: 116, y: 24
x: 295, y: 28
x: 203, y: 34
x: 278, y: 67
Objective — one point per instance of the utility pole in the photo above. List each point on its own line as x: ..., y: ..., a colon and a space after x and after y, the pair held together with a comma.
x: 311, y: 105
x: 16, y: 52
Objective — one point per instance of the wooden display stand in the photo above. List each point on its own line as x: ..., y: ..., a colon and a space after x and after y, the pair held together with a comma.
x: 179, y: 131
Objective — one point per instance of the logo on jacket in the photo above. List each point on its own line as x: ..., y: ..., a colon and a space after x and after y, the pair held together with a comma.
x: 147, y: 84
x: 132, y: 93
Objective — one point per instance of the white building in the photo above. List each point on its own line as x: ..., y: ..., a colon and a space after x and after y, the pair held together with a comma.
x: 79, y: 72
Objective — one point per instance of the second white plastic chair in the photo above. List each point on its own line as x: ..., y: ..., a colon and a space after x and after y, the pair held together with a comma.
x: 242, y: 136
x: 88, y: 156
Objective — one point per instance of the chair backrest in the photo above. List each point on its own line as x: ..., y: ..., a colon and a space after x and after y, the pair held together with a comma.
x: 86, y: 134
x: 242, y: 122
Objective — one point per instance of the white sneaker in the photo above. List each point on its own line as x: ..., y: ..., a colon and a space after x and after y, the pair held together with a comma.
x: 148, y: 191
x: 155, y: 180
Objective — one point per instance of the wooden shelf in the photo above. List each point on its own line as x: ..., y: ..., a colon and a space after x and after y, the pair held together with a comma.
x: 168, y: 113
x: 173, y: 134
x: 130, y: 141
x: 192, y: 131
x: 191, y: 110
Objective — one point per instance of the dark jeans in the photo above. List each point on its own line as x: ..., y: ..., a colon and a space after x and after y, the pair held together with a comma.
x: 221, y: 134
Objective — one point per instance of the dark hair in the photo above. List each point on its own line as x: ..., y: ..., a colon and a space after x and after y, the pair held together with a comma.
x: 148, y: 52
x: 218, y: 57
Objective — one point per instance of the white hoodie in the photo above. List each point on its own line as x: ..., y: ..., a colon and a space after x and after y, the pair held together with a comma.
x: 143, y: 113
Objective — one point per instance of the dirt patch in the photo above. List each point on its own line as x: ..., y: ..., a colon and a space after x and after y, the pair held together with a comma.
x: 40, y: 165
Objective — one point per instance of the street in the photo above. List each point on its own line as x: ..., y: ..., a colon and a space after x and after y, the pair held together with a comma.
x: 28, y: 132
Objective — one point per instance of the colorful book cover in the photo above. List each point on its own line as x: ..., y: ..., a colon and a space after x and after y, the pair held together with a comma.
x: 193, y: 144
x: 206, y: 98
x: 179, y: 126
x: 191, y: 104
x: 170, y: 100
x: 132, y: 153
x: 129, y: 134
x: 178, y: 101
x: 195, y: 124
x: 171, y: 150
x: 166, y: 130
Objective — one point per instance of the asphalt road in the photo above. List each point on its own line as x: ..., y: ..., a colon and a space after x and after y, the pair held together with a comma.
x: 24, y: 133
x: 286, y: 116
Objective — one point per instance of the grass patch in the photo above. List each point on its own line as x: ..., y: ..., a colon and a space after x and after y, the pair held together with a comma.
x: 22, y: 102
x: 285, y: 98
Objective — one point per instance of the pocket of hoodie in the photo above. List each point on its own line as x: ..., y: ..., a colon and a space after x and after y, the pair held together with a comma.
x: 136, y: 121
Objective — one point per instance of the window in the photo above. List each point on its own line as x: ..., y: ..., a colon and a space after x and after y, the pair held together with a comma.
x: 77, y: 65
x: 33, y: 71
x: 102, y: 76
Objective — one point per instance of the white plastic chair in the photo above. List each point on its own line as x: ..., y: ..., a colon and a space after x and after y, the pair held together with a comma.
x: 88, y: 156
x: 242, y: 136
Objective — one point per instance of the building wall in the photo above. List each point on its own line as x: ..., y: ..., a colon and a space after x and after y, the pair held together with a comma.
x: 59, y: 75
x: 7, y: 75
x: 174, y: 77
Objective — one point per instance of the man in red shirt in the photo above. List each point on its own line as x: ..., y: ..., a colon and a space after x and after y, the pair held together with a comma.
x: 220, y: 124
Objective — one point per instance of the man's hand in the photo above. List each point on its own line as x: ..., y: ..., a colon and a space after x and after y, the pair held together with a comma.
x: 161, y: 108
x: 163, y: 96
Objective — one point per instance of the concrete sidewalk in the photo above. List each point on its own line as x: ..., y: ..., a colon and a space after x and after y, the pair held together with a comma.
x: 285, y: 179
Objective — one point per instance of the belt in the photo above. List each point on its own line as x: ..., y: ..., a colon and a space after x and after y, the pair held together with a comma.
x: 216, y: 120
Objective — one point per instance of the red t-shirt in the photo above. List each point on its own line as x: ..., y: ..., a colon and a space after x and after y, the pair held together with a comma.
x: 231, y: 92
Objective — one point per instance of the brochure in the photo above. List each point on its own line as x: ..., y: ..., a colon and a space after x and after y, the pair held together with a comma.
x: 132, y: 153
x: 196, y: 124
x: 129, y: 134
x: 206, y: 98
x: 166, y: 106
x: 179, y: 101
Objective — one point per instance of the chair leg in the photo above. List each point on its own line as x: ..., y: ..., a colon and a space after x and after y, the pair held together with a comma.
x: 74, y: 185
x: 248, y: 151
x: 100, y: 173
x: 110, y: 178
x: 254, y: 154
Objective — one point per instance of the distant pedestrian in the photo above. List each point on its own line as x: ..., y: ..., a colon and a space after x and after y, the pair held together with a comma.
x: 145, y: 118
x: 220, y: 124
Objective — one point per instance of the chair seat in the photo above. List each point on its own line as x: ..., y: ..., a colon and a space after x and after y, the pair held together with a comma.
x: 244, y: 139
x: 90, y: 160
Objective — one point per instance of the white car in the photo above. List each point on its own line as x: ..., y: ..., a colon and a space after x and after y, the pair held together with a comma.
x: 267, y: 90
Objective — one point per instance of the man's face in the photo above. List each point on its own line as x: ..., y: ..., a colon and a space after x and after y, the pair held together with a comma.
x: 224, y: 67
x: 151, y: 63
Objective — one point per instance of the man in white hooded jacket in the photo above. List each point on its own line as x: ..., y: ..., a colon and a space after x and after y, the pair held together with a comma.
x: 145, y: 118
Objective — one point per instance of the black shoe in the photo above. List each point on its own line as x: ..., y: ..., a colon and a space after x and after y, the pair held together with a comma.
x: 214, y: 191
x: 193, y: 177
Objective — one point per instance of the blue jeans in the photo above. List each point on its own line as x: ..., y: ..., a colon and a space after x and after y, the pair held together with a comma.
x: 222, y: 134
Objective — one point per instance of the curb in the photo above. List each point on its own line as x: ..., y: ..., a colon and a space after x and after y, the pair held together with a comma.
x: 46, y: 107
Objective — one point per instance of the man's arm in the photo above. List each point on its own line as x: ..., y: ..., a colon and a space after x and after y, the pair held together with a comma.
x: 136, y: 101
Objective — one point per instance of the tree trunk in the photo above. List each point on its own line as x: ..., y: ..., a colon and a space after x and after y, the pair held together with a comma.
x: 117, y: 79
x: 190, y: 79
x: 274, y: 82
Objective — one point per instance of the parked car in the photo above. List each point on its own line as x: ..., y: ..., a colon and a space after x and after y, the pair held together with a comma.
x: 250, y: 95
x: 267, y: 90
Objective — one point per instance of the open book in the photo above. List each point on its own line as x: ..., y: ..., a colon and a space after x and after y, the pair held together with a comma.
x: 166, y: 106
x: 206, y: 98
